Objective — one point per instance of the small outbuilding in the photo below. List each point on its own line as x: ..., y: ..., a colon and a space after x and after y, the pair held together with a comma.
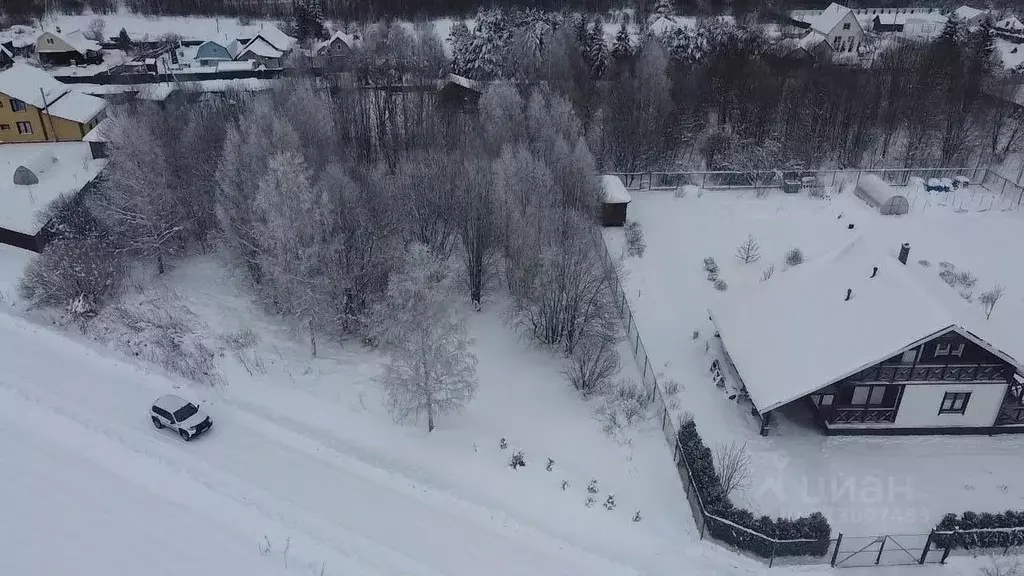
x: 615, y: 198
x: 877, y: 193
x: 459, y: 93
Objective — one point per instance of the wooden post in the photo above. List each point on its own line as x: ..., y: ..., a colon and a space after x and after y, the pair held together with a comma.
x: 927, y: 545
x: 835, y: 553
x: 949, y: 546
x: 878, y: 558
x: 772, y: 559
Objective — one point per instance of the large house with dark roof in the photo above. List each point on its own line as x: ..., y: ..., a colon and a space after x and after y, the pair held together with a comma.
x: 867, y: 344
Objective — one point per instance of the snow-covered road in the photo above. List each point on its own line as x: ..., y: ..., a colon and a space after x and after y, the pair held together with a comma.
x: 249, y: 478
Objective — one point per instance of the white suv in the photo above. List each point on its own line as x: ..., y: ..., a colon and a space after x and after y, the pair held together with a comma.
x: 179, y: 414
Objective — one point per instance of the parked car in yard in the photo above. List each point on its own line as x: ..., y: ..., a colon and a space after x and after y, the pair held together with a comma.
x: 170, y: 411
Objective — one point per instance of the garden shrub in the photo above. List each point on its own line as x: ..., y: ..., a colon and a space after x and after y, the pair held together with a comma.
x: 708, y: 485
x: 975, y: 540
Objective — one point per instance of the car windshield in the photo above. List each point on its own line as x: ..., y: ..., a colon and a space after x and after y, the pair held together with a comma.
x: 185, y: 412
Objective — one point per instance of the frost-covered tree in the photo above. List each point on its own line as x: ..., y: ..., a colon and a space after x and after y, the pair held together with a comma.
x: 622, y: 50
x: 291, y: 215
x: 477, y: 225
x: 501, y: 117
x: 597, y: 55
x: 664, y: 8
x: 137, y: 200
x: 309, y: 20
x: 491, y: 38
x: 432, y: 370
x: 461, y: 41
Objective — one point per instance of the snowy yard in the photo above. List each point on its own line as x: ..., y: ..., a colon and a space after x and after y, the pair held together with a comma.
x: 864, y: 485
x: 304, y: 450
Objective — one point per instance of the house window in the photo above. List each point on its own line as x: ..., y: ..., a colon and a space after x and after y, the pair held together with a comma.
x: 24, y: 127
x: 5, y: 126
x: 846, y: 26
x: 910, y: 356
x: 17, y: 105
x: 868, y: 395
x: 49, y: 40
x: 954, y: 402
x: 958, y: 351
x: 838, y: 41
x: 942, y: 348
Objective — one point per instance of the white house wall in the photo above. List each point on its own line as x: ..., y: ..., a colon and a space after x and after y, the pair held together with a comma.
x: 58, y: 45
x: 919, y: 407
x: 848, y: 40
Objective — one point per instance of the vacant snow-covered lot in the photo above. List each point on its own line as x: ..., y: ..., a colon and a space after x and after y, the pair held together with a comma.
x: 303, y: 459
x: 864, y: 485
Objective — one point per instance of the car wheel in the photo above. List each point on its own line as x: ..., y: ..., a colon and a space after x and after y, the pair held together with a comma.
x: 184, y: 435
x: 156, y: 422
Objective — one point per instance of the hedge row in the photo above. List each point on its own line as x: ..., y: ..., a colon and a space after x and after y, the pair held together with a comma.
x: 971, y: 521
x: 709, y: 487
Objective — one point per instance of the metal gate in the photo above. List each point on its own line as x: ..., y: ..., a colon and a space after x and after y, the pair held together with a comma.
x: 886, y: 550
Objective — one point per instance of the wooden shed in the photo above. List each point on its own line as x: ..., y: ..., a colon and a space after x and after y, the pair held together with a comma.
x: 614, y: 200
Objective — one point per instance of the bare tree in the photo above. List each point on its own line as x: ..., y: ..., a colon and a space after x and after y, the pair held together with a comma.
x: 592, y: 366
x: 733, y: 463
x: 990, y: 298
x: 477, y: 225
x: 432, y: 371
x: 96, y: 27
x: 635, y: 244
x: 768, y: 272
x: 749, y: 251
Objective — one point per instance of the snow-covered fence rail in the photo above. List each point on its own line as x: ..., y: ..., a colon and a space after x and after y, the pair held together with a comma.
x: 775, y: 178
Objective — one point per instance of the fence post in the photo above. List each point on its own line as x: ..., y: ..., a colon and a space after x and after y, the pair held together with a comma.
x: 772, y: 559
x: 949, y: 546
x: 835, y: 553
x: 927, y: 545
x: 703, y: 518
x: 878, y: 558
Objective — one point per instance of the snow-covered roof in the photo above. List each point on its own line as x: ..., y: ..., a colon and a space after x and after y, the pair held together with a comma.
x: 891, y: 19
x: 829, y: 18
x: 77, y: 107
x: 1011, y: 23
x: 20, y: 204
x: 24, y: 82
x: 664, y: 25
x: 348, y: 39
x: 614, y: 190
x: 462, y: 81
x: 260, y: 47
x: 797, y: 333
x: 275, y: 37
x: 967, y: 12
x: 77, y: 39
x: 812, y: 39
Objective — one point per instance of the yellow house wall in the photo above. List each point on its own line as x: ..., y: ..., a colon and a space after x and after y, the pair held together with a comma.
x: 58, y: 129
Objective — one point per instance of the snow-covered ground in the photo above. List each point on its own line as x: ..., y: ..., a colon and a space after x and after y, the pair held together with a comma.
x: 304, y: 454
x: 865, y: 485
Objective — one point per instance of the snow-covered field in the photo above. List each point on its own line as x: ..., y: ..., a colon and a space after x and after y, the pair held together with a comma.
x: 864, y: 485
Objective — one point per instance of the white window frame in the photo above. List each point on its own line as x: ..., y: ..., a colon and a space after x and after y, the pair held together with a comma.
x: 958, y: 351
x: 942, y: 349
x: 25, y: 128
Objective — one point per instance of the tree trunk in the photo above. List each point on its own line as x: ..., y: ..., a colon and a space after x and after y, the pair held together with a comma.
x: 159, y: 261
x: 430, y: 417
x: 312, y: 338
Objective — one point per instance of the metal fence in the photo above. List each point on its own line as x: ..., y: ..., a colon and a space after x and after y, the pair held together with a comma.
x: 767, y: 179
x: 843, y: 551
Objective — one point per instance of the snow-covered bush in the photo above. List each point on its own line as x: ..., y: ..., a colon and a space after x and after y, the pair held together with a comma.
x: 794, y: 257
x: 592, y: 486
x: 768, y: 272
x: 749, y: 251
x: 77, y: 274
x: 925, y: 263
x: 623, y: 407
x: 707, y: 482
x: 966, y: 279
x: 635, y: 244
x: 518, y: 460
x: 592, y: 366
x: 948, y: 276
x: 721, y: 285
x: 609, y: 502
x: 998, y: 523
x: 967, y: 294
x: 162, y: 331
x: 710, y: 266
x: 242, y: 344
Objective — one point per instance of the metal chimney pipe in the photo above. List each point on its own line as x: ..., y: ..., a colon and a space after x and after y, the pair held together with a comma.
x: 874, y: 271
x: 849, y: 293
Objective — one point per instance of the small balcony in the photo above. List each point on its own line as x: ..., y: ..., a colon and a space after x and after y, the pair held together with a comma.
x: 858, y: 415
x: 933, y: 373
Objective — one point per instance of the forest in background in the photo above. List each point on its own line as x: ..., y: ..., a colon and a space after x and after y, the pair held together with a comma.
x: 368, y: 10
